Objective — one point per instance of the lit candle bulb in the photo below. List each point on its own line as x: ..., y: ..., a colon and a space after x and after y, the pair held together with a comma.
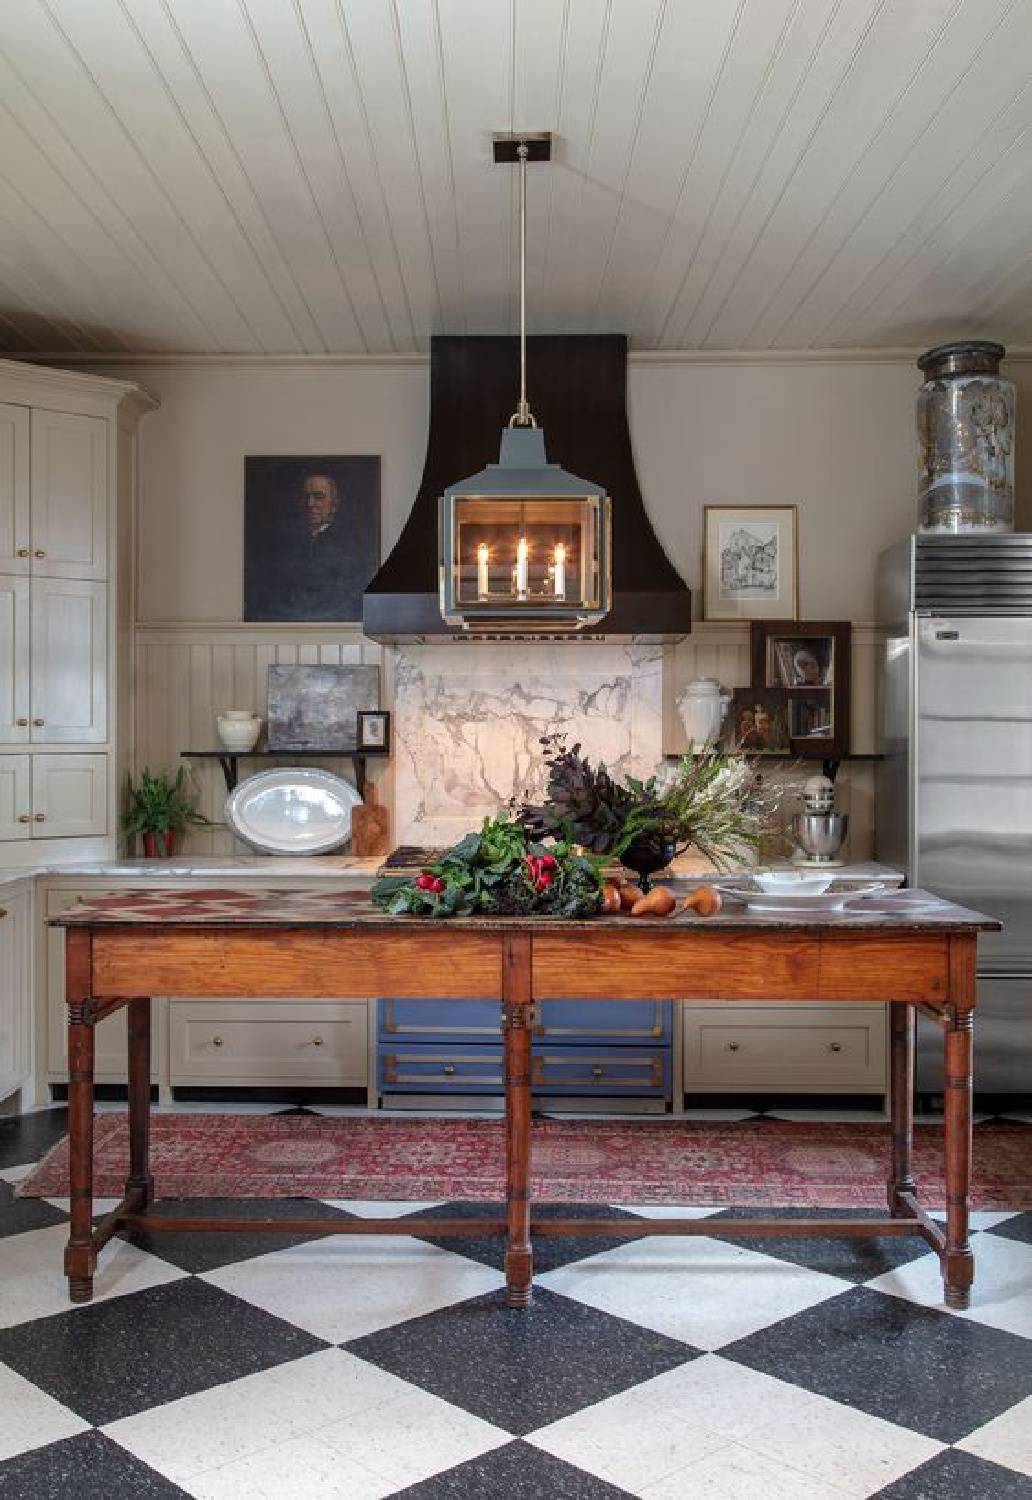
x: 482, y: 571
x: 522, y: 567
x: 560, y: 570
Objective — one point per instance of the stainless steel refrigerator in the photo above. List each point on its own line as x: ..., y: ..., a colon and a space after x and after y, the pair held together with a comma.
x: 954, y: 790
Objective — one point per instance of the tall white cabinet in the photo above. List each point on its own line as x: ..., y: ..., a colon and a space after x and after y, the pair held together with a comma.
x: 67, y: 478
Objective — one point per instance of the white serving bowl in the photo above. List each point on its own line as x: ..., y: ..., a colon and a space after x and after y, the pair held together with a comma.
x: 792, y: 882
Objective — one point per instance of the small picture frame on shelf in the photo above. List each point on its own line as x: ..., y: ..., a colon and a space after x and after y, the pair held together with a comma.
x: 809, y: 660
x: 374, y: 731
x: 758, y: 721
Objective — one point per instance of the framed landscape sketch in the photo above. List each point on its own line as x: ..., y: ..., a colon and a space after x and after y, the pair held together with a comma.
x: 311, y: 536
x: 809, y: 660
x: 749, y: 562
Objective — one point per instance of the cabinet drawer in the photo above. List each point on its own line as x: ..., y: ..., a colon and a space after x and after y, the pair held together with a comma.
x: 272, y: 1042
x: 414, y: 1068
x: 637, y: 1071
x: 418, y: 1020
x: 810, y: 1048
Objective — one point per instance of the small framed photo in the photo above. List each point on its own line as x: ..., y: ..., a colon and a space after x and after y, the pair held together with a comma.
x: 750, y: 562
x: 758, y: 721
x: 810, y: 660
x: 374, y: 731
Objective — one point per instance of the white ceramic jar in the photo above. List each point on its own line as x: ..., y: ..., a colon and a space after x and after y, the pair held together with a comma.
x: 703, y: 706
x: 238, y: 729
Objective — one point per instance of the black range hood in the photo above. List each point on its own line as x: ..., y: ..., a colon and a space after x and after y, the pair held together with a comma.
x: 579, y: 385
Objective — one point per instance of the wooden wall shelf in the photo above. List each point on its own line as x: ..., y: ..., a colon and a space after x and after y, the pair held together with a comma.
x: 230, y: 759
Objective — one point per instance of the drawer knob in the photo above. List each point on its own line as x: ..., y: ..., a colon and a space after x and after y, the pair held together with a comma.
x: 39, y: 723
x: 23, y: 551
x: 449, y: 1069
x: 24, y: 818
x: 40, y: 552
x: 317, y: 1041
x: 21, y: 723
x: 597, y: 1072
x: 834, y: 1046
x: 40, y: 817
x: 734, y: 1046
x: 216, y: 1041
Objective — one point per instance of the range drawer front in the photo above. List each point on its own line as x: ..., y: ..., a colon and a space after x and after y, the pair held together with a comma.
x: 641, y: 1023
x: 414, y: 1068
x: 601, y: 1070
x: 419, y: 1020
x: 734, y: 1048
x: 268, y: 1043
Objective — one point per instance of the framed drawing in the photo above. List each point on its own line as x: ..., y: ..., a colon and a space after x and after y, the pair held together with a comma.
x: 809, y: 660
x: 311, y: 536
x: 374, y: 731
x: 749, y: 562
x: 758, y: 721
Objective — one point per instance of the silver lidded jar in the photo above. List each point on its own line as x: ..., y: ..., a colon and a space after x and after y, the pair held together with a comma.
x: 965, y: 428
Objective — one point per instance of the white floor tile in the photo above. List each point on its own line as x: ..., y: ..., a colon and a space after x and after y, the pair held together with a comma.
x: 1001, y: 1296
x: 704, y: 1291
x: 1006, y: 1440
x: 277, y: 1473
x: 393, y: 1208
x: 15, y: 1174
x: 33, y: 1284
x: 737, y: 1473
x: 667, y: 1211
x: 338, y: 1288
x: 29, y: 1418
x: 830, y: 1116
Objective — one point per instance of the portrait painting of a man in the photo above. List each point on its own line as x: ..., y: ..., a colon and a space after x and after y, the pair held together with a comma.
x: 311, y: 536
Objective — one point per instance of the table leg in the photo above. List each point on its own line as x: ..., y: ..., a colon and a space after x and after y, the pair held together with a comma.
x: 901, y: 1084
x: 139, y: 1184
x: 80, y: 1257
x: 517, y: 1024
x: 958, y: 1263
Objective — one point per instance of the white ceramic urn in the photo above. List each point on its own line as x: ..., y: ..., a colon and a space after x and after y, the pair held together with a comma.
x: 702, y: 707
x: 238, y: 729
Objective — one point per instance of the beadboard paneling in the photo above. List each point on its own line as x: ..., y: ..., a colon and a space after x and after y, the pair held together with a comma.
x: 186, y: 674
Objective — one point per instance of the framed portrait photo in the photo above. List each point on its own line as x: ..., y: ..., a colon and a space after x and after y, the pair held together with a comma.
x: 311, y: 536
x: 809, y: 660
x: 374, y: 732
x: 750, y: 562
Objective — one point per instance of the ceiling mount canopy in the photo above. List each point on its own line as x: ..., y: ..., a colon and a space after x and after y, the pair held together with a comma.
x: 524, y: 546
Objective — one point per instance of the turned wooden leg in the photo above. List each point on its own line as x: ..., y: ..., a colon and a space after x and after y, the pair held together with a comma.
x: 139, y: 1184
x: 901, y: 1084
x: 517, y: 1023
x: 958, y: 1262
x: 80, y: 1257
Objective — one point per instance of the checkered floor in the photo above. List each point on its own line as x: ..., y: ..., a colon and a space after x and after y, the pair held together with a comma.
x: 232, y: 1366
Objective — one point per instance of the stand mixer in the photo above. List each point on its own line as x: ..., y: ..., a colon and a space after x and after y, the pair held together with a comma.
x: 819, y: 831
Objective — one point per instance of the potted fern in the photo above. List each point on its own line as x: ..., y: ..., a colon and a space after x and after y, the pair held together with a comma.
x: 160, y: 807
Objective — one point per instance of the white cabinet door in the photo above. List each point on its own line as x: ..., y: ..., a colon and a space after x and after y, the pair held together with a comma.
x: 14, y: 660
x: 14, y: 488
x: 15, y: 988
x: 69, y: 796
x: 69, y: 661
x: 15, y: 796
x: 69, y: 495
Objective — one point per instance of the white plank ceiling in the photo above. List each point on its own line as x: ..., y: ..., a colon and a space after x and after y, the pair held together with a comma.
x: 315, y: 176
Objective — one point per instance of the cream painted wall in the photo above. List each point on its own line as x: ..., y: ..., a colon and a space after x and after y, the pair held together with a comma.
x: 836, y: 438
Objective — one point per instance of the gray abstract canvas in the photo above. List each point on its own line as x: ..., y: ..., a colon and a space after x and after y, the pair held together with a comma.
x: 316, y: 708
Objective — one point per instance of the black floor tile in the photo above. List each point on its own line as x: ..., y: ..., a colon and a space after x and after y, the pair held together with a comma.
x: 1018, y: 1228
x: 207, y: 1252
x: 88, y: 1467
x: 521, y: 1369
x: 915, y: 1366
x: 856, y: 1260
x: 516, y: 1472
x: 549, y: 1254
x: 958, y: 1476
x: 19, y: 1214
x: 25, y: 1138
x: 115, y: 1358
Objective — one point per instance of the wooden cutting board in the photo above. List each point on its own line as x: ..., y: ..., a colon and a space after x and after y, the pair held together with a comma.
x: 370, y: 827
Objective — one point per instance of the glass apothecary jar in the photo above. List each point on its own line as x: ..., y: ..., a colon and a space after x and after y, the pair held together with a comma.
x: 965, y: 428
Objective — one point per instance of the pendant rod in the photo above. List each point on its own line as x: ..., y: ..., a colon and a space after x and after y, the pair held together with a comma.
x: 523, y: 417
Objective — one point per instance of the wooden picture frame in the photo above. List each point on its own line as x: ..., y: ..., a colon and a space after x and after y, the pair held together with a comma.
x: 750, y: 562
x: 810, y: 661
x: 373, y: 735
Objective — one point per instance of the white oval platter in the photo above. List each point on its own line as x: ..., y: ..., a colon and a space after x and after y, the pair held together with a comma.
x: 292, y: 810
x: 791, y: 901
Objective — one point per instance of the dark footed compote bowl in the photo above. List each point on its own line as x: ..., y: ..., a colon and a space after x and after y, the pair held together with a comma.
x: 648, y: 853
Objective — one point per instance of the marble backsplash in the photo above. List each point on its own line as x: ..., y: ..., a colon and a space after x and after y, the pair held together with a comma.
x: 468, y: 719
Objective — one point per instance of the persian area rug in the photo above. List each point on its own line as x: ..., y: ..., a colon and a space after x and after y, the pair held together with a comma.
x: 757, y: 1163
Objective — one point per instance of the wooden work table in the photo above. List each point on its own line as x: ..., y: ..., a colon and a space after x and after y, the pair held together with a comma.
x: 226, y: 945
